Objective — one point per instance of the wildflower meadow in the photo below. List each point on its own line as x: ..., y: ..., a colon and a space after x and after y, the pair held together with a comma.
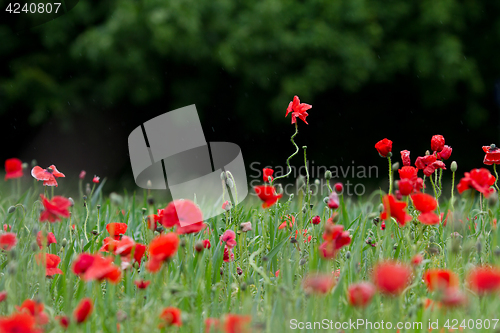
x: 416, y: 255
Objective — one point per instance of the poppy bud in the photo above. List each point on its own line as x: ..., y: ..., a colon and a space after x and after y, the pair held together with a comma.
x: 395, y: 246
x: 11, y: 209
x: 302, y: 262
x: 34, y: 163
x: 293, y: 240
x: 223, y: 176
x: 24, y: 166
x: 339, y: 187
x: 151, y: 201
x: 221, y: 271
x: 71, y: 201
x: 182, y: 243
x: 316, y: 220
x: 98, y: 207
x: 348, y: 255
x: 453, y: 166
x: 243, y: 286
x: 316, y: 182
x: 149, y: 184
x: 64, y: 242
x: 229, y: 182
x: 380, y: 208
x: 12, y: 268
x: 427, y: 153
x: 144, y: 210
x: 199, y: 246
x: 336, y: 218
x: 395, y: 166
x: 88, y: 190
x: 493, y: 198
x: 328, y: 175
x: 84, y: 197
x: 239, y: 270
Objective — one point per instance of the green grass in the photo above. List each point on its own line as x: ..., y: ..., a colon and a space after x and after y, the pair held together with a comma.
x: 202, y: 285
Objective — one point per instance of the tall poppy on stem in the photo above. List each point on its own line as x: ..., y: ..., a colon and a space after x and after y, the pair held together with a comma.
x: 426, y: 204
x: 13, y: 168
x: 47, y: 175
x: 391, y: 278
x: 268, y: 195
x: 396, y: 209
x: 384, y: 148
x: 479, y: 179
x: 492, y: 157
x: 54, y: 209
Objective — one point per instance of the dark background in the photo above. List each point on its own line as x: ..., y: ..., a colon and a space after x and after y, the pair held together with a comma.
x: 71, y: 90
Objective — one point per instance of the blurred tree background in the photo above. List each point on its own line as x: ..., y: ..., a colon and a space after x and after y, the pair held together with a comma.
x: 71, y: 90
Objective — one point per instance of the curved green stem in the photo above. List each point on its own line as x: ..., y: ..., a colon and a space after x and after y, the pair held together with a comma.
x: 496, y: 177
x: 435, y: 194
x: 452, y: 188
x: 288, y: 159
x: 390, y: 175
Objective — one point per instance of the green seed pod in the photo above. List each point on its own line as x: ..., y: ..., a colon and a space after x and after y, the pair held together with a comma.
x: 11, y: 209
x: 144, y: 210
x: 243, y: 286
x: 336, y: 218
x: 223, y: 176
x: 328, y: 174
x: 25, y: 166
x: 389, y: 154
x: 230, y: 184
x: 348, y: 255
x: 64, y: 242
x: 71, y: 201
x: 453, y: 166
x: 380, y: 208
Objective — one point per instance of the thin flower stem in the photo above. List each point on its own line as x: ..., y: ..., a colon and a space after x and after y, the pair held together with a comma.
x: 423, y: 184
x: 496, y: 177
x: 308, y: 198
x: 440, y: 184
x: 288, y: 159
x: 390, y: 175
x: 435, y: 194
x: 85, y: 224
x: 452, y: 188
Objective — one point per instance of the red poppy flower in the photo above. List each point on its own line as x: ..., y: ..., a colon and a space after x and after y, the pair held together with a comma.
x: 183, y: 214
x: 229, y: 237
x: 409, y: 182
x: 405, y: 157
x: 288, y: 221
x: 440, y: 279
x: 50, y: 262
x: 316, y: 220
x: 423, y: 202
x: 445, y: 153
x: 484, y: 279
x: 3, y: 295
x: 7, y: 227
x: 333, y: 201
x: 102, y: 269
x: 360, y: 294
x: 391, y: 278
x: 384, y: 147
x: 82, y: 174
x: 318, y: 283
x: 206, y: 244
x: 437, y: 143
x: 142, y: 284
x: 236, y: 323
x: 13, y: 168
x: 478, y: 179
x: 492, y: 155
x: 116, y: 229
x: 335, y: 238
x: 18, y: 323
x: 307, y: 238
x: 226, y: 205
x: 35, y: 309
x: 429, y: 164
x: 125, y: 247
x: 267, y: 173
x: 298, y: 110
x: 228, y: 254
x: 7, y: 241
x: 95, y: 180
x: 83, y: 310
x: 47, y: 175
x: 54, y: 209
x: 171, y: 316
x: 267, y: 194
x: 108, y: 245
x: 50, y: 239
x: 429, y: 218
x: 82, y: 263
x: 394, y: 208
x: 63, y: 321
x: 417, y: 259
x: 161, y: 249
